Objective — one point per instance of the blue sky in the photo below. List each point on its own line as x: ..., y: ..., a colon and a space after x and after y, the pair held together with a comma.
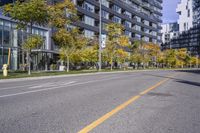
x: 169, y: 11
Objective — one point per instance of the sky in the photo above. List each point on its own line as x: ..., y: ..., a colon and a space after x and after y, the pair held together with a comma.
x: 169, y: 11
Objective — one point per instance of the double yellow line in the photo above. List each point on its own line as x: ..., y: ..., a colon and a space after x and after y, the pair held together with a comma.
x: 120, y: 107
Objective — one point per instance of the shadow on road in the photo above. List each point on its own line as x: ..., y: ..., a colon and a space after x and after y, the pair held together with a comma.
x: 181, y: 80
x: 189, y: 82
x: 197, y: 71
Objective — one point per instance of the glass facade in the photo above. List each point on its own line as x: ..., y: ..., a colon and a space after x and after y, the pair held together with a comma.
x: 11, y: 37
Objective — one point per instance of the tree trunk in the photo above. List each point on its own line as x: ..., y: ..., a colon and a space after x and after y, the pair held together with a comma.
x: 29, y: 63
x: 67, y: 63
x: 23, y: 66
x: 111, y: 64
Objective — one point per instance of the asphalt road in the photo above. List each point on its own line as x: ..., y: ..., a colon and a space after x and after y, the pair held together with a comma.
x: 131, y: 102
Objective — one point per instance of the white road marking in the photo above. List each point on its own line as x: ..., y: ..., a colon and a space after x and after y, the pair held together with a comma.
x: 46, y: 89
x: 32, y: 85
x: 52, y: 85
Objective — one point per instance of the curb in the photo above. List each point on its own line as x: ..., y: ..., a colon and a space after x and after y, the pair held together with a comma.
x: 81, y: 74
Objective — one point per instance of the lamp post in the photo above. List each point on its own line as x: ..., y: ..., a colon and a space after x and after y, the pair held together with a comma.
x: 100, y: 32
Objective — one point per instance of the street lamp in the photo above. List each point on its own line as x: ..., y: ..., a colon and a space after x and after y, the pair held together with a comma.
x: 100, y: 32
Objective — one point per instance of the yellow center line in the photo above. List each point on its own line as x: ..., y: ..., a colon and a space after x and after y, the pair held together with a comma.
x: 120, y: 107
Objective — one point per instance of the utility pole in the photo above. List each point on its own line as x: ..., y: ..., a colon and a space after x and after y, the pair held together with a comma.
x: 100, y: 32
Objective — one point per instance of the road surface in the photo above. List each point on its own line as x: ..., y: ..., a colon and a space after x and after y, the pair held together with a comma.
x: 128, y: 102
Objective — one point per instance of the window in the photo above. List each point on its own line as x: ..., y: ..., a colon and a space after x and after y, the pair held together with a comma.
x: 137, y: 36
x: 105, y: 3
x: 127, y: 33
x: 189, y: 13
x: 88, y: 7
x: 128, y: 14
x: 127, y: 24
x: 146, y: 30
x: 146, y: 22
x: 138, y: 28
x: 116, y: 8
x: 89, y: 34
x: 89, y: 20
x: 116, y: 19
x: 105, y: 14
x: 138, y: 19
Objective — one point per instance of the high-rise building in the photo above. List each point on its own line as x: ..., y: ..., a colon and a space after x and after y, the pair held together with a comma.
x: 141, y: 18
x: 186, y: 14
x: 196, y: 8
x: 189, y: 28
x: 169, y: 31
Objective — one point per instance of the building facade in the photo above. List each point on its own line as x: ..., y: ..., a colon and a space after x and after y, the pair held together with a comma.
x: 196, y: 9
x: 189, y: 28
x: 169, y: 31
x: 141, y: 18
x: 186, y: 15
x: 11, y: 37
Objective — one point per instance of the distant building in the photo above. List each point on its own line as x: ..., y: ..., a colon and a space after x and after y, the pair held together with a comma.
x: 169, y: 31
x: 186, y: 13
x: 189, y: 28
x: 196, y: 9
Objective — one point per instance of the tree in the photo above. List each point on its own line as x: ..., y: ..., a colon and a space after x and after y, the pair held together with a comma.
x: 115, y: 40
x: 170, y: 57
x: 69, y: 42
x: 181, y: 56
x: 27, y: 14
x: 122, y: 56
x: 32, y: 42
x: 89, y: 55
x: 152, y: 52
x: 62, y: 14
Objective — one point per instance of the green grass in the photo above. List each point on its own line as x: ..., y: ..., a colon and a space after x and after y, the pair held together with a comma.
x: 23, y: 74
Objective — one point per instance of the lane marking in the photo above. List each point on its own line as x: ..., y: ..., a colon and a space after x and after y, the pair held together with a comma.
x: 36, y: 84
x: 47, y: 89
x: 119, y: 108
x: 61, y: 84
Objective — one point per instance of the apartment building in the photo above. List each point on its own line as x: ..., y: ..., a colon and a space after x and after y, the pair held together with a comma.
x: 169, y: 31
x: 189, y: 28
x: 186, y: 13
x: 141, y: 18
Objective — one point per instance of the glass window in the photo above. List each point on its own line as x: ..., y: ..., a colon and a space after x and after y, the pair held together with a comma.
x: 89, y: 21
x: 7, y: 36
x: 116, y: 19
x: 105, y: 3
x: 138, y: 19
x: 138, y: 36
x: 127, y: 24
x: 88, y: 7
x: 128, y: 33
x: 128, y: 14
x: 89, y: 34
x: 117, y: 9
x: 105, y: 14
